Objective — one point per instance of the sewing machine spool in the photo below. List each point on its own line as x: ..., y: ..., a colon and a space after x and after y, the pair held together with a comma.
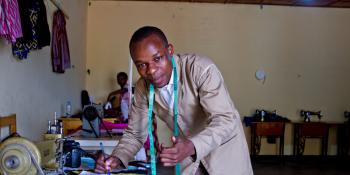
x: 19, y: 156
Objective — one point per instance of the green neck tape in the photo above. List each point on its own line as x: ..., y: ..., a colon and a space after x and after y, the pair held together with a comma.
x: 176, y: 128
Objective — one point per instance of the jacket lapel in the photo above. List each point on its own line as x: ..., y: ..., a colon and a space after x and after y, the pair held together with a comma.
x: 180, y: 93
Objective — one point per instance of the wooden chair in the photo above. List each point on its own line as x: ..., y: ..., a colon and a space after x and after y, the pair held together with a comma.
x: 8, y: 121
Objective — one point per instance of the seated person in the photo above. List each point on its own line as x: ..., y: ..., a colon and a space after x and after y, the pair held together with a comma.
x: 115, y: 98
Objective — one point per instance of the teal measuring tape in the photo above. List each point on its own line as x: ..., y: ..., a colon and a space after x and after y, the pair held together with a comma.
x: 176, y: 112
x: 176, y: 128
x: 150, y: 108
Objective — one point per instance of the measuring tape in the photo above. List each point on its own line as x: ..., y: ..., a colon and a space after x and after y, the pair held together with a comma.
x: 176, y: 128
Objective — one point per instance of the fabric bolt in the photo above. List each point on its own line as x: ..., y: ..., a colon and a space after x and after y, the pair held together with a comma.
x: 59, y: 47
x: 36, y: 33
x: 10, y: 21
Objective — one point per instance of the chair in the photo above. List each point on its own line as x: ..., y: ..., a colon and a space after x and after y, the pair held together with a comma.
x: 10, y: 122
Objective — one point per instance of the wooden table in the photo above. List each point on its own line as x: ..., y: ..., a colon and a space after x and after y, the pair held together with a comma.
x: 305, y: 130
x: 71, y: 125
x: 343, y: 139
x: 92, y: 143
x: 266, y: 129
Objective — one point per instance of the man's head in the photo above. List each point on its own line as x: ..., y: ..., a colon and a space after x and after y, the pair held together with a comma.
x: 122, y: 79
x: 151, y: 53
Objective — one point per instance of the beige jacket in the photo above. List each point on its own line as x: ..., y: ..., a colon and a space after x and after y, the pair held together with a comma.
x: 207, y: 117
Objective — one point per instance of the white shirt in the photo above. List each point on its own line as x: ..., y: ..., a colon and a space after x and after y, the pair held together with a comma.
x: 167, y: 92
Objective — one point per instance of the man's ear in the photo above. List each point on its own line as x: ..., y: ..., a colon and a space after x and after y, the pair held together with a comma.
x: 170, y: 49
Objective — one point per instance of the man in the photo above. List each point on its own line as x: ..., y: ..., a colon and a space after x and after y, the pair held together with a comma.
x: 116, y: 98
x: 211, y: 137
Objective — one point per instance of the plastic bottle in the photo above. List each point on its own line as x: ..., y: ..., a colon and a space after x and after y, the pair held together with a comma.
x: 68, y: 109
x: 55, y: 119
x: 49, y: 128
x: 61, y: 128
x: 54, y: 126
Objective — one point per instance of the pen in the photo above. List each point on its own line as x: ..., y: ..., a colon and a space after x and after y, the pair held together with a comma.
x: 104, y: 156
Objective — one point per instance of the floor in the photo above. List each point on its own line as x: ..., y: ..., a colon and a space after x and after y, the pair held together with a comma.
x: 302, y: 166
x: 314, y: 165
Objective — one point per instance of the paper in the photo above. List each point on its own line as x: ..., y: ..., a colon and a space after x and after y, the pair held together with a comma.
x: 92, y: 173
x: 87, y: 173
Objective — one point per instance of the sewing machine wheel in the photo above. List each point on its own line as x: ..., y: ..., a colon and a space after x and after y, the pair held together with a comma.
x: 15, y: 157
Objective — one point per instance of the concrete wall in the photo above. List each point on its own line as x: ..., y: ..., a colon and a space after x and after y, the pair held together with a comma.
x: 304, y: 52
x: 30, y: 89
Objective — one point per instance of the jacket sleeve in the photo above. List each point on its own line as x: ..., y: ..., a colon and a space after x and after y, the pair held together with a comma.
x: 136, y: 133
x: 222, y: 115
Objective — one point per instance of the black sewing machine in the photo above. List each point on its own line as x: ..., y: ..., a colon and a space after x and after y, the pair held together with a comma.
x: 307, y: 115
x: 72, y: 153
x: 347, y: 115
x: 265, y: 114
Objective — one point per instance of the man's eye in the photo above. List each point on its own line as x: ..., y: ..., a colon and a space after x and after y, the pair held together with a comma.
x: 157, y: 59
x: 141, y: 66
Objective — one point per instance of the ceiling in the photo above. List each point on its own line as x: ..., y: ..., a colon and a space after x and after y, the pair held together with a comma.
x: 307, y: 3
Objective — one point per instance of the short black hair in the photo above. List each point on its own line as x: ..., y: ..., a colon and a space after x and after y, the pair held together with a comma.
x: 145, y: 32
x: 122, y: 74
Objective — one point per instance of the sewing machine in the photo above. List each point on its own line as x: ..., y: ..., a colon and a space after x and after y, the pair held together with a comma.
x: 265, y: 113
x: 92, y: 118
x: 19, y: 156
x: 307, y: 115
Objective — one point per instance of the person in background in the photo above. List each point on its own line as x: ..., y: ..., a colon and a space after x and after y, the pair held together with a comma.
x: 211, y: 139
x: 119, y: 99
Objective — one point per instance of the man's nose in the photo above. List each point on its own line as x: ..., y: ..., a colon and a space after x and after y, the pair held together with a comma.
x: 151, y: 69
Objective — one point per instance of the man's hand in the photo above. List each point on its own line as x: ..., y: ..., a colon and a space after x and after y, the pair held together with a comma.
x: 181, y: 149
x: 103, y: 164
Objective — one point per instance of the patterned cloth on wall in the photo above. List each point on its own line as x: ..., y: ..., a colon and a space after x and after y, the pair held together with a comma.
x: 10, y: 21
x: 59, y: 47
x: 36, y: 33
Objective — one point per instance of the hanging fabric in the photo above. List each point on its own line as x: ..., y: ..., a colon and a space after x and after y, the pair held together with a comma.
x: 10, y: 21
x: 36, y: 33
x: 59, y: 47
x: 58, y: 5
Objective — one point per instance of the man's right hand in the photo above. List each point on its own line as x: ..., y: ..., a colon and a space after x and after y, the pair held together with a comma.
x: 105, y: 162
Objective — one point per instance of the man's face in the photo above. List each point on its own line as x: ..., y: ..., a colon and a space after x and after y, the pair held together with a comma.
x: 122, y: 81
x: 153, y: 60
